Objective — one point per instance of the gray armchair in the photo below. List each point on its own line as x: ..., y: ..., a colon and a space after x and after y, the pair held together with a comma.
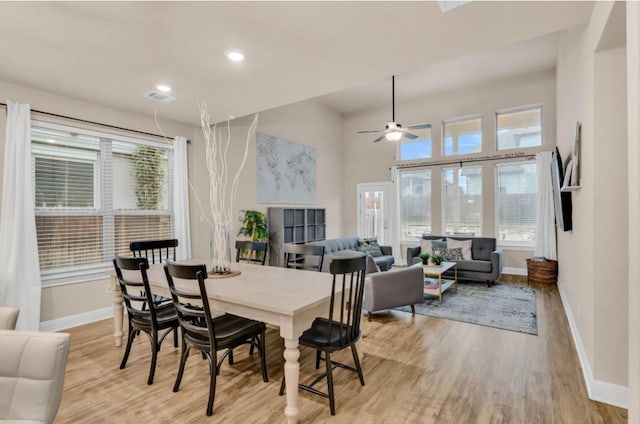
x: 397, y: 287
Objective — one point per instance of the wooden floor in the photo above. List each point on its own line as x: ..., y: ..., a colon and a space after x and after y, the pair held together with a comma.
x: 417, y: 370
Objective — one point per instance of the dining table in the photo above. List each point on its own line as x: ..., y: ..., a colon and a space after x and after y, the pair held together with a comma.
x: 289, y: 299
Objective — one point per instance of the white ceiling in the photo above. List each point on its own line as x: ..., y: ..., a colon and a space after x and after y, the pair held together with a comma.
x: 113, y: 52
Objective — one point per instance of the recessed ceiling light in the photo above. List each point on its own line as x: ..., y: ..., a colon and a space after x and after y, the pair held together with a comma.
x: 235, y: 56
x: 163, y: 87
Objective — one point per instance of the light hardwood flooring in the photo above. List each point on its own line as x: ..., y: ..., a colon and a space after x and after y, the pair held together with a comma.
x: 417, y: 370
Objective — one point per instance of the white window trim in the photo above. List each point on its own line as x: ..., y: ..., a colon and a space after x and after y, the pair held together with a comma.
x: 513, y: 110
x: 507, y: 244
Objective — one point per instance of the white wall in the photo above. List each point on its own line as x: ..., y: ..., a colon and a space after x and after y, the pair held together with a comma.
x: 369, y: 162
x: 591, y: 88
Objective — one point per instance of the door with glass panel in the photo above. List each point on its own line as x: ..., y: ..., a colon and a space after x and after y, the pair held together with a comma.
x: 374, y: 211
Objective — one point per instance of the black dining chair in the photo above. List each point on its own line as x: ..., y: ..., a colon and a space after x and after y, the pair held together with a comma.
x: 303, y: 256
x: 251, y: 251
x: 156, y: 251
x: 206, y: 334
x: 149, y: 320
x: 342, y: 329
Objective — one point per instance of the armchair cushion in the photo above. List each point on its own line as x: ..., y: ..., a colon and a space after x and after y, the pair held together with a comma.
x: 32, y: 366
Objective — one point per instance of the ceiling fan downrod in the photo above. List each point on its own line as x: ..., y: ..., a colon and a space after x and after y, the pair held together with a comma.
x: 393, y: 98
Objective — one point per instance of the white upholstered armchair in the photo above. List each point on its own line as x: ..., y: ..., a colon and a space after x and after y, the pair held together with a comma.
x: 32, y: 366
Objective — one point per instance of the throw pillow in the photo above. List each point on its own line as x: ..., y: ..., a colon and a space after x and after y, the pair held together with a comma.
x: 439, y: 244
x: 465, y: 245
x: 450, y: 255
x: 370, y: 247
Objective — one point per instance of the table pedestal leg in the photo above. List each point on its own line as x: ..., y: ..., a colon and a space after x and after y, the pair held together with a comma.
x: 291, y: 377
x: 118, y: 310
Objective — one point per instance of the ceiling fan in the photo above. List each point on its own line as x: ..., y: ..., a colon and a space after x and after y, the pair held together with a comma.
x: 393, y: 131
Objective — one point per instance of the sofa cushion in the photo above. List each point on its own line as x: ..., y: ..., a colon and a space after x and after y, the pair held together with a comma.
x: 474, y: 265
x: 372, y: 267
x: 465, y: 245
x: 384, y: 262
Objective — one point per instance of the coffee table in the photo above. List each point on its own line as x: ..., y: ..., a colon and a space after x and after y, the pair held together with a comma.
x: 433, y: 274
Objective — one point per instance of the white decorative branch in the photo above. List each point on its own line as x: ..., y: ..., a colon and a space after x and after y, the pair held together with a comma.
x: 220, y: 200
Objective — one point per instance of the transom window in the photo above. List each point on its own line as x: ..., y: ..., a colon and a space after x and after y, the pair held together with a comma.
x: 418, y: 148
x: 462, y: 200
x: 516, y: 190
x: 94, y: 193
x: 415, y: 203
x: 462, y: 136
x: 519, y: 128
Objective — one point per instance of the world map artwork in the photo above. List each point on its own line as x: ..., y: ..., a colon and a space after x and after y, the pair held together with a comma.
x: 286, y: 171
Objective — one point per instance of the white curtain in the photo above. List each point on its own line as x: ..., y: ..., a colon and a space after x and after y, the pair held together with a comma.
x: 19, y: 265
x: 545, y: 216
x: 181, y: 198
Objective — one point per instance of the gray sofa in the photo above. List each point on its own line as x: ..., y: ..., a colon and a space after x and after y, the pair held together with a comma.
x: 346, y: 246
x: 486, y: 264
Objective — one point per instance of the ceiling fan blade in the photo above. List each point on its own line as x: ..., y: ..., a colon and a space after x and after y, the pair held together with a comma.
x: 378, y: 139
x: 410, y: 136
x: 370, y: 131
x: 418, y: 126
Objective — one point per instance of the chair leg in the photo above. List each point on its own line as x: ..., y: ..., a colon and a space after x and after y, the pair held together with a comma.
x: 413, y: 309
x: 357, y: 362
x: 175, y: 336
x: 332, y: 403
x: 253, y: 341
x: 212, y: 385
x: 281, y: 392
x: 183, y: 361
x: 130, y: 337
x: 155, y: 346
x: 263, y: 357
x: 318, y: 359
x: 369, y: 316
x: 230, y: 356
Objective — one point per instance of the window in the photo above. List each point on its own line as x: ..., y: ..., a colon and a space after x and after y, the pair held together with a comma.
x: 519, y: 128
x: 462, y: 136
x: 415, y: 203
x: 419, y: 148
x: 462, y: 200
x: 516, y: 202
x: 95, y: 193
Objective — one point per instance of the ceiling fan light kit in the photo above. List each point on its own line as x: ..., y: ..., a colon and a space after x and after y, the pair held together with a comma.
x: 394, y: 131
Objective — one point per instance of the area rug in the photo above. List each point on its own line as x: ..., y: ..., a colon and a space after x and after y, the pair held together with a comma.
x: 500, y: 306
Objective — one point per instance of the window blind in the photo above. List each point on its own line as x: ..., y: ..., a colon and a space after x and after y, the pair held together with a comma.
x: 415, y: 203
x: 516, y: 202
x: 462, y: 200
x: 95, y: 194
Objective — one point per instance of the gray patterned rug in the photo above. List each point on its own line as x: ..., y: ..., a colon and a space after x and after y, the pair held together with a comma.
x: 500, y: 306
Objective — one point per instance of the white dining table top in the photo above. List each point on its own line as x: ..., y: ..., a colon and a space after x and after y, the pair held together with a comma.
x: 278, y: 290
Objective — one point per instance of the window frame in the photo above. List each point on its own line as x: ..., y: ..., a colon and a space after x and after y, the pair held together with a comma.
x: 516, y: 109
x: 456, y: 120
x: 91, y: 272
x: 510, y: 244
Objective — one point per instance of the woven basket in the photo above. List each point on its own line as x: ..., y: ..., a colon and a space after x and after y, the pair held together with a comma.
x: 542, y: 272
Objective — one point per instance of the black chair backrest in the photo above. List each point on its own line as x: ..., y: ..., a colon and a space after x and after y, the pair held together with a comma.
x: 348, y: 273
x: 155, y: 250
x: 243, y: 246
x: 195, y: 320
x: 140, y: 293
x: 301, y: 256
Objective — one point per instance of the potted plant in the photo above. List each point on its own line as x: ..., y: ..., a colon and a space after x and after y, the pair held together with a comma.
x: 425, y: 258
x: 437, y: 259
x: 254, y: 226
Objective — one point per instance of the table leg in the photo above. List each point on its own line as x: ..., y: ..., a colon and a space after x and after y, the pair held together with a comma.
x: 291, y: 377
x: 440, y: 287
x: 118, y: 311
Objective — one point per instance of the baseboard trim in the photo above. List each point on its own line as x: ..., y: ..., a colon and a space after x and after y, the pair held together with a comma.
x: 514, y: 271
x: 76, y: 320
x: 600, y: 391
